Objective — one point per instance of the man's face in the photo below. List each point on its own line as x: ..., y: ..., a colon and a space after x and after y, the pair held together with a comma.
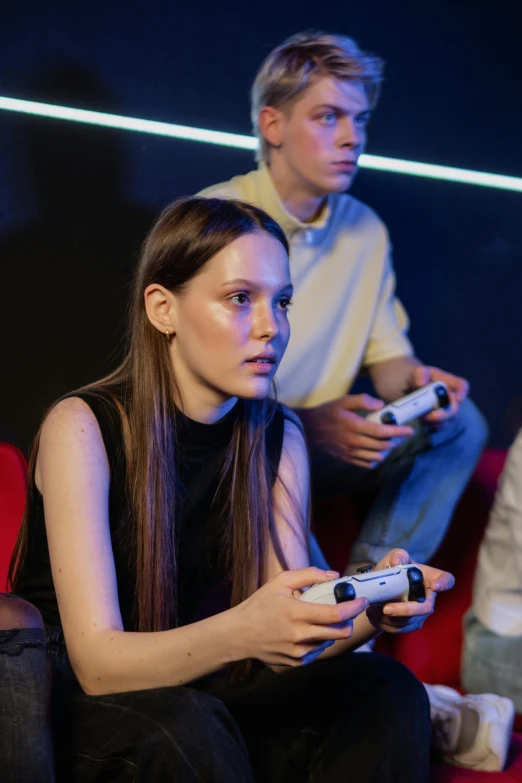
x: 323, y: 134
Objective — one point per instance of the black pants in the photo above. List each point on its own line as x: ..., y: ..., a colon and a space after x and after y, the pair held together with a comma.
x: 359, y: 717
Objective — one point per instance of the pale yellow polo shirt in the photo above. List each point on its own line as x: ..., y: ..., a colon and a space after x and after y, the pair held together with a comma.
x: 345, y: 313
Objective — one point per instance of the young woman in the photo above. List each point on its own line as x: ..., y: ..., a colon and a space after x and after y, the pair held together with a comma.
x: 165, y: 545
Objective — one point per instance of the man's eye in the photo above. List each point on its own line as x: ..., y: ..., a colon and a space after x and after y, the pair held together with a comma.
x: 329, y: 117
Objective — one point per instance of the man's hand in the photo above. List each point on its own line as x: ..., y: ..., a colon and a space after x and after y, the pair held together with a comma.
x: 338, y: 429
x: 408, y: 616
x: 458, y: 389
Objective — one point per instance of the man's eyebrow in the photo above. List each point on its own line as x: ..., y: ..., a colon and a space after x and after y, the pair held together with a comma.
x: 339, y: 110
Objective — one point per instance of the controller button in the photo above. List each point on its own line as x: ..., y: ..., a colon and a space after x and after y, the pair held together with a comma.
x: 442, y: 396
x: 388, y: 418
x: 344, y: 591
x: 364, y: 569
x: 417, y: 593
x: 416, y: 580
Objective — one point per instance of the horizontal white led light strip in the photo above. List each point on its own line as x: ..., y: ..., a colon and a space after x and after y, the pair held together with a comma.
x: 239, y: 141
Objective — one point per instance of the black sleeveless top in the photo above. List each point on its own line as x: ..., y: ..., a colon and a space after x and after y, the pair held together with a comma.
x: 203, y: 586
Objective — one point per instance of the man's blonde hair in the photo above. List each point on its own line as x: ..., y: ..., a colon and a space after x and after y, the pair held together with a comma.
x: 291, y: 67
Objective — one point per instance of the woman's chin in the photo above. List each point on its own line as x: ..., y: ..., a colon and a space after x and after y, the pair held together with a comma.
x: 255, y: 388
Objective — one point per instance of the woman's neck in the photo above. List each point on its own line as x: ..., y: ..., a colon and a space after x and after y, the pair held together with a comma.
x: 205, y: 412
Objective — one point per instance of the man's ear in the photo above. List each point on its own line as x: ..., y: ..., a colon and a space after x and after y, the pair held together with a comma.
x: 271, y: 125
x: 160, y: 305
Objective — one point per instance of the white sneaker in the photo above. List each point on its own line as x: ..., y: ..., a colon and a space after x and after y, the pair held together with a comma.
x: 472, y: 731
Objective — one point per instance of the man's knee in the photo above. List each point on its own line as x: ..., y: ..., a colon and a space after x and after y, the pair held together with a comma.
x: 467, y: 431
x: 17, y: 613
x: 474, y: 424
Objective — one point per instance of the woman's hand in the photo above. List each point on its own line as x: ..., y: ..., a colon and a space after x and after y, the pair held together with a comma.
x: 274, y: 626
x: 408, y: 616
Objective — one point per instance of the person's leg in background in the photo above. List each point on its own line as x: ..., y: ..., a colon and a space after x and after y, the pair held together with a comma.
x: 26, y: 746
x: 490, y: 662
x: 416, y: 488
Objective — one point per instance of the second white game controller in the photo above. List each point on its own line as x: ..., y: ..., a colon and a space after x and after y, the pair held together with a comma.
x: 412, y: 406
x: 395, y: 583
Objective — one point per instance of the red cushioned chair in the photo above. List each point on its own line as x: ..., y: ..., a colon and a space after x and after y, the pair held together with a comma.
x: 433, y: 653
x: 13, y: 470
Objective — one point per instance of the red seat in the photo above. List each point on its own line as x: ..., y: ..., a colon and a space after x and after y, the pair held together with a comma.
x: 13, y: 471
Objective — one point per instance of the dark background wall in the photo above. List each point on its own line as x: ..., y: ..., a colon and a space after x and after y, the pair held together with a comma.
x: 75, y: 201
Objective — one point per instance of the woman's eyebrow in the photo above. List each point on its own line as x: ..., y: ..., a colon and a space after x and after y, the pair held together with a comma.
x: 239, y: 281
x: 255, y: 286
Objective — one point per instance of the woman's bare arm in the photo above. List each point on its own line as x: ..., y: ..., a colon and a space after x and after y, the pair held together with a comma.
x: 73, y: 475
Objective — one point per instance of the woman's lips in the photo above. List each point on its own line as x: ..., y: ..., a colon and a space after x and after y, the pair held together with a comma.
x: 261, y: 366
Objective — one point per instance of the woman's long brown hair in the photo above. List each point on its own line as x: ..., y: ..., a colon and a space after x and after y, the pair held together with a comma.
x: 187, y: 234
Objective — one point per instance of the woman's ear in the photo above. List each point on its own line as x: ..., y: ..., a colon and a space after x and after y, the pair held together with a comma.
x: 160, y: 305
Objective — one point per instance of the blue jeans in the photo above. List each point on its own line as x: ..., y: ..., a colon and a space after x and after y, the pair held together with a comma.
x: 416, y: 488
x: 491, y: 663
x: 26, y: 747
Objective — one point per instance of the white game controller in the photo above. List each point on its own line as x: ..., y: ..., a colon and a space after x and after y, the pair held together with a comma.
x: 395, y: 583
x: 412, y: 406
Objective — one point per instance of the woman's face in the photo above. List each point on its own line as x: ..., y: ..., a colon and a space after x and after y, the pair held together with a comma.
x: 232, y: 323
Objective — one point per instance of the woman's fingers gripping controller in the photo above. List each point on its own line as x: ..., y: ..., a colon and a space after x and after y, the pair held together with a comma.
x: 331, y: 622
x: 276, y: 627
x: 300, y: 578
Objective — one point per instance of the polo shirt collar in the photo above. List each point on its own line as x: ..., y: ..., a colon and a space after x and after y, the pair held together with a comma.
x: 274, y: 206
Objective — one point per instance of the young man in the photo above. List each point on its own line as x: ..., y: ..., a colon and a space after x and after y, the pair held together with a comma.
x: 311, y: 103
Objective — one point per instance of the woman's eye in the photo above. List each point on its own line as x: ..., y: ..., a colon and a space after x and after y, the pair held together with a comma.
x: 285, y: 302
x: 239, y: 299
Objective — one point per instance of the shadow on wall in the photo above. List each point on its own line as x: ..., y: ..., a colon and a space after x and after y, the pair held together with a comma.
x: 65, y: 275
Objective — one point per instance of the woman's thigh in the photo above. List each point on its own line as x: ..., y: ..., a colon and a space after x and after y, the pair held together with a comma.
x: 350, y: 716
x: 166, y: 734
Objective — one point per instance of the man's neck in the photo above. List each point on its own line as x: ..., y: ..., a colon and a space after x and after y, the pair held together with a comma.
x: 295, y: 197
